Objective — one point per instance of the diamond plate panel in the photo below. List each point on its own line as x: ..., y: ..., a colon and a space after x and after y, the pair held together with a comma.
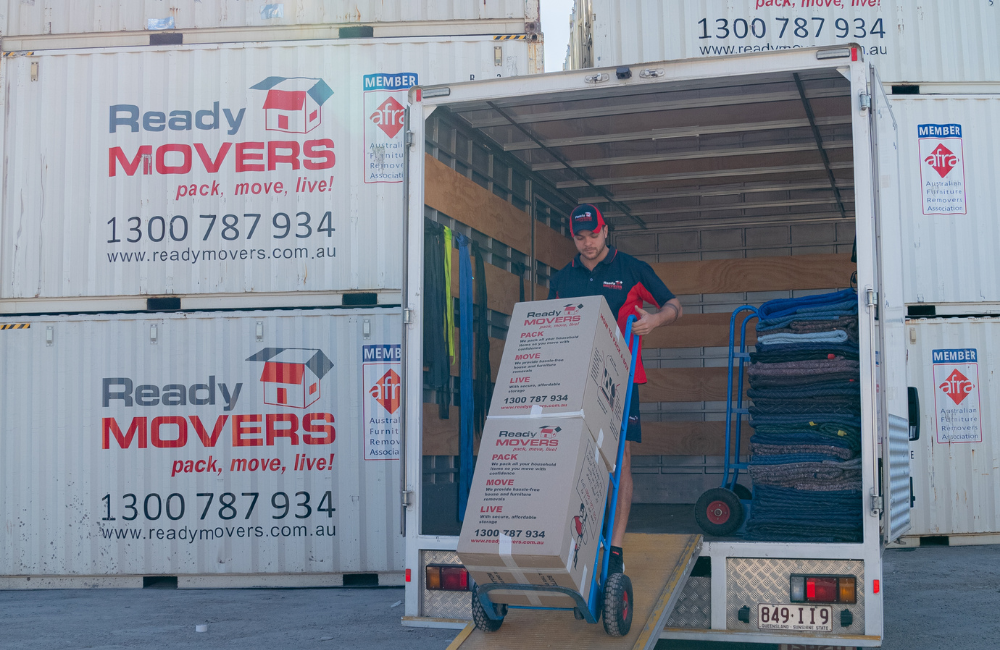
x: 750, y: 581
x: 444, y: 604
x: 694, y: 608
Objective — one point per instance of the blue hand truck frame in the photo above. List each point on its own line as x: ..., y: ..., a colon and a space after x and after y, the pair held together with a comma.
x: 734, y: 414
x: 591, y: 608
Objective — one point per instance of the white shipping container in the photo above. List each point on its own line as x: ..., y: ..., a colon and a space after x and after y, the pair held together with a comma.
x: 215, y: 169
x: 922, y: 41
x: 44, y: 17
x: 948, y: 150
x: 952, y: 363
x: 200, y: 444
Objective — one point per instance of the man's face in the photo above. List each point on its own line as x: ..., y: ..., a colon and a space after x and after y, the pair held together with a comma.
x: 591, y: 243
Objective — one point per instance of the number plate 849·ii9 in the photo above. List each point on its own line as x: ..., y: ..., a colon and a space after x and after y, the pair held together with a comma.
x: 805, y: 618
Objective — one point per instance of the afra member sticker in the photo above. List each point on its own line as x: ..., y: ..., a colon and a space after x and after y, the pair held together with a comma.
x: 942, y: 168
x: 957, y: 407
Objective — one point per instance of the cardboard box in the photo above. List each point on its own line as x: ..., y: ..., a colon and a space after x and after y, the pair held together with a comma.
x: 535, y: 509
x: 566, y: 358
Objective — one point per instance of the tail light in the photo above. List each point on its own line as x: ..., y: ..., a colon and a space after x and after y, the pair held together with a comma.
x: 823, y: 589
x: 446, y: 578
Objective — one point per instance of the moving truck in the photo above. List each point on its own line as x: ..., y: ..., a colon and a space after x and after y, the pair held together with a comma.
x: 740, y: 179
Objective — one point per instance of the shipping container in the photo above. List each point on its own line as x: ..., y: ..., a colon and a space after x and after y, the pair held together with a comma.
x: 214, y: 169
x: 932, y: 41
x: 948, y: 168
x: 55, y: 17
x: 952, y: 364
x: 739, y: 179
x: 200, y: 444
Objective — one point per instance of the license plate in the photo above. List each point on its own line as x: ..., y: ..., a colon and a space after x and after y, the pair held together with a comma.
x: 803, y: 618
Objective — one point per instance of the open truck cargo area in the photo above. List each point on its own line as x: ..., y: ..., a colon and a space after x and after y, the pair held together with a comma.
x: 740, y: 180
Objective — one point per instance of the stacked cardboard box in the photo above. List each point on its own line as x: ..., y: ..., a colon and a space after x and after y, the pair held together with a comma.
x: 538, y: 496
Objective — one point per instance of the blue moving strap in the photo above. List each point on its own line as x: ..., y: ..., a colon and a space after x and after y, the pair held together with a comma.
x: 467, y: 405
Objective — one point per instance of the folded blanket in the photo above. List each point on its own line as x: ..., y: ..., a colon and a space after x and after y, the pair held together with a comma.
x: 779, y: 407
x: 808, y: 434
x: 785, y: 306
x: 826, y: 451
x: 850, y: 389
x: 803, y: 381
x: 802, y: 368
x: 804, y: 420
x: 831, y: 336
x: 846, y: 324
x: 803, y: 352
x: 790, y: 514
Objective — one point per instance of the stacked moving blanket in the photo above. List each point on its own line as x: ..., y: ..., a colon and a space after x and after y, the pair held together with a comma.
x: 806, y: 414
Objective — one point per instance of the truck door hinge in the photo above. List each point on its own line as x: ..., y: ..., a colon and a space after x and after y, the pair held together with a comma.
x: 407, y: 498
x: 876, y: 504
x: 866, y: 101
x: 408, y: 138
x: 872, y: 297
x: 407, y: 316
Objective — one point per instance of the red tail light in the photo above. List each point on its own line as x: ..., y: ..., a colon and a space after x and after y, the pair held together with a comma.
x: 823, y: 589
x: 446, y: 578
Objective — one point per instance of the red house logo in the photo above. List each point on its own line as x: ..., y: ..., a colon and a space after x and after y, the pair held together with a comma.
x: 292, y: 376
x: 387, y: 391
x: 293, y: 105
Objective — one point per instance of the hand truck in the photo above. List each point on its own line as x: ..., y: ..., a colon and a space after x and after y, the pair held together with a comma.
x: 610, y: 596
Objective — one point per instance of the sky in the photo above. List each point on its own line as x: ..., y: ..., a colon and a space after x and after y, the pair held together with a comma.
x: 555, y: 26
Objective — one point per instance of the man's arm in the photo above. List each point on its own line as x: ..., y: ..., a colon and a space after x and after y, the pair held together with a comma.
x: 647, y: 322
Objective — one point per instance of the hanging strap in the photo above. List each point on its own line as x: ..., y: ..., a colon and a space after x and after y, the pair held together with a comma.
x: 449, y: 304
x: 465, y: 460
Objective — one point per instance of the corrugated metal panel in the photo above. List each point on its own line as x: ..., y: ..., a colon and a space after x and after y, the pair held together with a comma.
x: 951, y: 258
x: 55, y: 473
x: 956, y: 484
x: 85, y: 16
x: 929, y: 41
x: 81, y: 203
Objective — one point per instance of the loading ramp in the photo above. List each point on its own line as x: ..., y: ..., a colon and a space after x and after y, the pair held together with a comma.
x: 658, y: 566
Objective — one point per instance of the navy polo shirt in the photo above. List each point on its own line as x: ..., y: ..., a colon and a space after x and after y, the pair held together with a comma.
x: 625, y: 282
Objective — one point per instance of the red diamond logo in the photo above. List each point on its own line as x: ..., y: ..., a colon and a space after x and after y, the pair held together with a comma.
x: 942, y: 160
x: 957, y: 386
x: 386, y: 391
x: 389, y: 117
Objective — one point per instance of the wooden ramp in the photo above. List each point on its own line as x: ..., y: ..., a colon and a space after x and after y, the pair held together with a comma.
x: 658, y: 566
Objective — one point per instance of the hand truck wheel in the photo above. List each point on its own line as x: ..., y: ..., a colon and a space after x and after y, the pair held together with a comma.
x: 617, y: 605
x: 718, y: 512
x: 481, y: 619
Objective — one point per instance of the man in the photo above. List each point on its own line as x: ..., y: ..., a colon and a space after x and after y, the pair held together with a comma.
x: 626, y: 283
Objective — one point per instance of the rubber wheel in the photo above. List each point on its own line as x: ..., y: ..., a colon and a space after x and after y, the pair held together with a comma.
x: 743, y: 492
x: 718, y: 512
x: 618, y: 605
x: 479, y: 617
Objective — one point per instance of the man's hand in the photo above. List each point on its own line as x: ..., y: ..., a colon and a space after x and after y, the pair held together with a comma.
x: 647, y: 322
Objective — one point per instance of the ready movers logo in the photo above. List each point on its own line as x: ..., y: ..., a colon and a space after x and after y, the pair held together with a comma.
x: 291, y: 378
x: 291, y: 105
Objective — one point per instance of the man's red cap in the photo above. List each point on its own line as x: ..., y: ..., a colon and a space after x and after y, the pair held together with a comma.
x: 585, y: 217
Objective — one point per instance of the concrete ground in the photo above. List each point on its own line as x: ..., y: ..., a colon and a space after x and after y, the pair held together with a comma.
x: 936, y: 597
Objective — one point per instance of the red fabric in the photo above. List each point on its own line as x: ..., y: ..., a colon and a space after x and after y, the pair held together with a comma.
x: 636, y: 297
x: 285, y: 100
x: 283, y: 373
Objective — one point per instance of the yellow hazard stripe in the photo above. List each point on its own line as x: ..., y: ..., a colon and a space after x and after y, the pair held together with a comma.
x: 10, y: 55
x: 15, y: 326
x: 511, y: 37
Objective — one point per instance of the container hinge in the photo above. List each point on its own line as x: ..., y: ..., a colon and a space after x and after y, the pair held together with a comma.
x: 407, y: 498
x: 866, y: 101
x: 876, y: 504
x: 872, y: 297
x: 407, y: 316
x: 408, y: 138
